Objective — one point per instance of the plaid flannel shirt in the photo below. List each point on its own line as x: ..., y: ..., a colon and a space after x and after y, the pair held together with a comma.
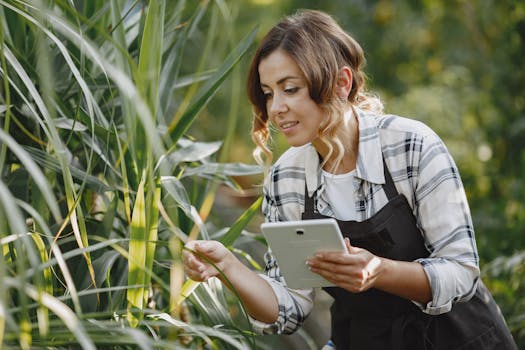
x: 422, y: 170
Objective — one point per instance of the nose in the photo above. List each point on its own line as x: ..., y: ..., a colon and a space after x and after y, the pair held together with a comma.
x: 277, y: 105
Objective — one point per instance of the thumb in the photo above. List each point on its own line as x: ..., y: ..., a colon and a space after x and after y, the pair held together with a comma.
x: 349, y: 247
x: 203, y: 247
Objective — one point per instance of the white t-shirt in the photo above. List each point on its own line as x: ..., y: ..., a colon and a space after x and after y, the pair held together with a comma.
x: 340, y: 194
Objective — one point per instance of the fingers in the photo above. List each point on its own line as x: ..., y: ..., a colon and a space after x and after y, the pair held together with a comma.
x: 350, y: 278
x: 348, y: 245
x: 350, y: 248
x: 213, y: 250
x: 202, y: 246
x: 325, y: 267
x: 352, y: 270
x: 202, y: 259
x: 195, y: 268
x: 353, y: 255
x: 338, y: 256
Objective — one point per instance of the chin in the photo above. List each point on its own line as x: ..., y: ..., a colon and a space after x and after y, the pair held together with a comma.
x: 300, y: 141
x: 297, y: 143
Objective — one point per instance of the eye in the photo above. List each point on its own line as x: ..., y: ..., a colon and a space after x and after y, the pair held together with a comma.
x: 267, y: 95
x: 291, y: 90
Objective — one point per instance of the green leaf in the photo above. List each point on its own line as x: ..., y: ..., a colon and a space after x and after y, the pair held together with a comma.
x: 222, y: 169
x: 35, y: 172
x: 190, y: 151
x: 151, y: 52
x: 209, y: 89
x: 70, y: 124
x: 137, y: 257
x: 148, y: 73
x: 70, y: 320
x: 48, y: 162
x: 238, y: 226
x: 152, y: 225
x: 176, y: 190
x: 201, y: 331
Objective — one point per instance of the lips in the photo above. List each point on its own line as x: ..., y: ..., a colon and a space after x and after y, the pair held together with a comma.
x: 287, y: 125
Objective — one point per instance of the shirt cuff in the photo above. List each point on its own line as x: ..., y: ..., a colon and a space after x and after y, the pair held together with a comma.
x: 259, y: 327
x: 450, y: 283
x: 303, y: 297
x: 430, y: 309
x: 435, y: 306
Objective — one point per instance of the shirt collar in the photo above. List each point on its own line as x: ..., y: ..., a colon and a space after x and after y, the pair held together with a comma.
x: 369, y: 165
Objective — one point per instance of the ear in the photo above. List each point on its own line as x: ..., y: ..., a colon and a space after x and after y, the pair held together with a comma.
x: 344, y: 83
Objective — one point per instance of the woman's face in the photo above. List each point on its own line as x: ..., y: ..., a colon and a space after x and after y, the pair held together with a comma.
x: 288, y: 101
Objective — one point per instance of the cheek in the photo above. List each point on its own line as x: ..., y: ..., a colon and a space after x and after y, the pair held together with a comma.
x: 267, y: 106
x: 318, y: 117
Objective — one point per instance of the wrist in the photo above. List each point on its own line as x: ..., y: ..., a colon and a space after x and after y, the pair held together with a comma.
x: 229, y: 265
x: 384, y: 272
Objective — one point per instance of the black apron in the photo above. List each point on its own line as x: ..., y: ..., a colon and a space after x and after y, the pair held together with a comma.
x: 376, y: 320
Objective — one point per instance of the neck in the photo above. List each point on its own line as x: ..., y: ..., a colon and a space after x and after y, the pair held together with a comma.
x: 349, y: 136
x: 346, y: 165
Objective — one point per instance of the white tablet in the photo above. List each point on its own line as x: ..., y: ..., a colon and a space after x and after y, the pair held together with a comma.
x: 293, y: 242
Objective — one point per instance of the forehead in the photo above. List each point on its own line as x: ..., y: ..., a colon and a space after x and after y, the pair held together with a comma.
x: 278, y: 65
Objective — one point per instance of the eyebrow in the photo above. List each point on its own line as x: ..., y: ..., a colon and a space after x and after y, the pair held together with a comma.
x: 283, y: 79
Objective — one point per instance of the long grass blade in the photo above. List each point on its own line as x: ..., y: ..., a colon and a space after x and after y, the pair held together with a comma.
x: 22, y: 249
x: 209, y: 89
x: 189, y: 151
x: 152, y: 224
x: 203, y: 332
x: 206, y: 48
x: 137, y: 257
x: 35, y: 172
x: 148, y: 73
x: 129, y: 115
x: 75, y: 216
x: 177, y: 191
x: 43, y: 312
x: 6, y: 109
x: 55, y: 250
x: 238, y: 226
x: 151, y: 53
x: 60, y: 309
x: 124, y: 82
x: 3, y: 299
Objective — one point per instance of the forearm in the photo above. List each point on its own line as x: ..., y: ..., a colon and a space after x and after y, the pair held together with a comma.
x: 405, y: 279
x: 205, y: 259
x: 256, y: 294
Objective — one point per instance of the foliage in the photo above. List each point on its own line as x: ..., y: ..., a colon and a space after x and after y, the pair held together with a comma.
x: 100, y: 183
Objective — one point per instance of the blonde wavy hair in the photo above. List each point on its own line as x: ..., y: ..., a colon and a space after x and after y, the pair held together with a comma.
x: 320, y: 47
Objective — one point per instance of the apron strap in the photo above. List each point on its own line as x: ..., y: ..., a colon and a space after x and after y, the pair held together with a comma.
x: 389, y: 187
x: 309, y: 203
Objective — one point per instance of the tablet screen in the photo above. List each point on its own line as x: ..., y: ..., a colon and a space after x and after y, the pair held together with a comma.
x: 293, y: 242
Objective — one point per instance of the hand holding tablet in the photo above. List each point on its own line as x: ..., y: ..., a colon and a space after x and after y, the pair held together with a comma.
x: 293, y: 242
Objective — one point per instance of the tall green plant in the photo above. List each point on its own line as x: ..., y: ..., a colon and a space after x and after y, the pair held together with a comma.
x: 100, y: 185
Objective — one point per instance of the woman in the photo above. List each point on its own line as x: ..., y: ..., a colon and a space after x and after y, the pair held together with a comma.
x: 410, y: 276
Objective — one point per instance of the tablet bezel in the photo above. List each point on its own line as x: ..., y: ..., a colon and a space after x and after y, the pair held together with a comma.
x: 292, y: 249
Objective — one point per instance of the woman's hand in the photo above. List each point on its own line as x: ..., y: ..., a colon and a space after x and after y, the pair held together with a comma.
x: 256, y: 293
x: 355, y: 270
x: 197, y: 268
